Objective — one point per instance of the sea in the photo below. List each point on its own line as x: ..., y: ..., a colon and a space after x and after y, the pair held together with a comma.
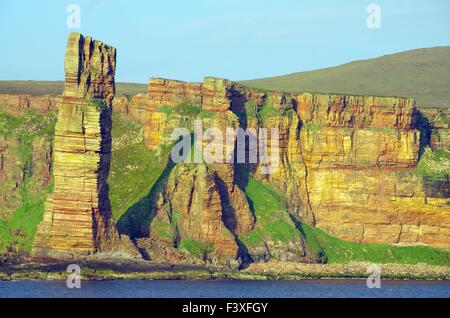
x: 225, y: 289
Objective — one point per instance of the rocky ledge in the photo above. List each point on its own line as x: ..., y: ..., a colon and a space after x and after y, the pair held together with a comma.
x: 274, y: 270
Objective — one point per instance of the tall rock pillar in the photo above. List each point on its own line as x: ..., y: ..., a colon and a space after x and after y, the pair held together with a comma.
x: 77, y: 220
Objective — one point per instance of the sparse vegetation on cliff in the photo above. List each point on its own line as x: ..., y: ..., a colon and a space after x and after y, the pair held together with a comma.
x: 268, y: 110
x: 271, y: 215
x: 134, y: 169
x: 273, y: 222
x: 196, y: 248
x: 312, y: 128
x: 338, y: 251
x: 17, y: 232
x: 24, y: 135
x: 434, y: 164
x: 186, y: 108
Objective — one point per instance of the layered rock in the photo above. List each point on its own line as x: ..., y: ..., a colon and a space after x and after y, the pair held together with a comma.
x: 360, y: 154
x: 77, y: 219
x: 170, y: 92
x: 223, y: 213
x: 346, y: 163
x: 208, y: 205
x: 14, y: 104
x: 192, y: 204
x: 134, y: 106
x: 435, y: 124
x: 23, y: 168
x: 356, y: 111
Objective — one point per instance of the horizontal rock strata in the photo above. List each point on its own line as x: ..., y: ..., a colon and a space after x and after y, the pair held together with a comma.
x: 347, y: 163
x: 77, y: 219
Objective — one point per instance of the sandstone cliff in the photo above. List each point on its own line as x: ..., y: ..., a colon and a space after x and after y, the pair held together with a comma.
x: 77, y: 219
x: 17, y: 103
x: 347, y: 163
x: 362, y: 168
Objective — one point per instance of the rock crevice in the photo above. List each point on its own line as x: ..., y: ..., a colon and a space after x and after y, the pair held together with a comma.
x: 77, y: 220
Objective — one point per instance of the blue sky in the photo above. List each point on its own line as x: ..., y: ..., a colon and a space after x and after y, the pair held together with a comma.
x: 235, y: 39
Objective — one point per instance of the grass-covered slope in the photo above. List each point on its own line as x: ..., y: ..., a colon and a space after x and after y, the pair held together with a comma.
x: 135, y: 172
x: 272, y: 222
x: 272, y: 219
x: 339, y: 251
x: 134, y: 169
x: 56, y: 88
x: 422, y: 74
x: 434, y: 164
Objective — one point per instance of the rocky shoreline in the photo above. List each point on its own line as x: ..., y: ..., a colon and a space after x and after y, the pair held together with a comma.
x: 273, y: 270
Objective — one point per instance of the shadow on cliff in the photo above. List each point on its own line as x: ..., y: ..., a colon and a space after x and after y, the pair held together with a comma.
x: 425, y: 128
x: 313, y: 255
x: 242, y: 171
x: 433, y: 187
x: 135, y: 222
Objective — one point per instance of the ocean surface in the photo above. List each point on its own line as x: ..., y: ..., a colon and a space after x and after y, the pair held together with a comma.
x: 225, y: 289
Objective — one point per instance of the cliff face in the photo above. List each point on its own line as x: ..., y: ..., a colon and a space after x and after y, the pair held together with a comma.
x: 198, y: 202
x: 347, y: 164
x: 25, y: 160
x: 134, y: 106
x: 207, y: 200
x: 361, y: 154
x: 77, y: 219
x: 360, y: 168
x: 15, y: 104
x: 437, y: 124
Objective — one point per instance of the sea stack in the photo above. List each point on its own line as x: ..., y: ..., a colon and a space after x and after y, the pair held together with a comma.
x: 77, y: 221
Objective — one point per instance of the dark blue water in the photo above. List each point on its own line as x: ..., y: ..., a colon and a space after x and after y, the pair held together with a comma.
x: 225, y: 289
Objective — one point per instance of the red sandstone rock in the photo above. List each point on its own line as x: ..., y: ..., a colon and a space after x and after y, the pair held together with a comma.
x: 77, y: 221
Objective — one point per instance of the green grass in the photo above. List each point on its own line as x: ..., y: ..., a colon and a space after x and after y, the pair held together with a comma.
x: 434, y: 164
x: 269, y: 110
x: 135, y: 176
x: 134, y: 169
x: 28, y: 125
x: 186, y: 108
x: 251, y: 109
x: 340, y: 251
x: 98, y: 103
x: 196, y: 248
x: 19, y: 229
x: 273, y: 221
x: 166, y: 109
x: 312, y: 128
x: 206, y: 114
x: 162, y: 230
x: 421, y: 74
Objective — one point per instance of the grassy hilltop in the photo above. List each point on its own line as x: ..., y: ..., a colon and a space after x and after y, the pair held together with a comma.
x: 422, y: 74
